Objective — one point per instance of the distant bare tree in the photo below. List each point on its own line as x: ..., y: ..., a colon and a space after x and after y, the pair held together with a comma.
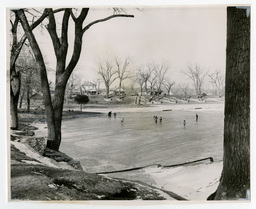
x: 184, y: 88
x: 160, y: 72
x: 140, y: 78
x: 30, y: 84
x: 144, y: 75
x: 218, y: 82
x: 97, y: 83
x: 72, y: 85
x: 197, y: 75
x: 122, y: 70
x: 152, y: 80
x: 132, y: 89
x: 168, y: 84
x: 108, y: 74
x: 147, y: 75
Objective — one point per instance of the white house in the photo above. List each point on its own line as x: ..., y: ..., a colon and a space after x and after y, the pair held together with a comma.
x: 89, y: 88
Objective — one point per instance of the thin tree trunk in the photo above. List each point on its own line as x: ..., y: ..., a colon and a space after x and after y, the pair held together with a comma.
x: 146, y: 86
x: 21, y: 100
x: 28, y: 99
x: 235, y: 177
x: 107, y: 89
x: 14, y: 97
x: 120, y: 85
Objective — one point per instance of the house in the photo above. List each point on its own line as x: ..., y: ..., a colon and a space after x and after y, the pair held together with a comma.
x: 119, y: 92
x: 89, y: 88
x: 152, y: 92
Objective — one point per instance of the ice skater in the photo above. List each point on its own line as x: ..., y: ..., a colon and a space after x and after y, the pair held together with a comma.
x: 184, y: 123
x: 155, y: 119
x: 109, y: 114
x: 196, y: 117
x: 160, y: 119
x: 122, y: 121
x: 114, y: 115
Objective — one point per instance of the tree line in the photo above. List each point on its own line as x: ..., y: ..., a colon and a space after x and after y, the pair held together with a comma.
x: 152, y: 78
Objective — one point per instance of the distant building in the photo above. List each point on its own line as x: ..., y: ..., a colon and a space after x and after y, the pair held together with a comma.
x: 152, y: 92
x: 119, y: 92
x: 89, y: 88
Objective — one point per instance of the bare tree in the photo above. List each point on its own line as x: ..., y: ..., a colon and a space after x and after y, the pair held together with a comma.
x: 184, y: 88
x: 72, y: 85
x: 97, y: 83
x: 122, y: 71
x: 218, y: 82
x: 30, y: 85
x: 152, y: 80
x: 16, y: 46
x: 54, y: 107
x: 147, y: 75
x: 143, y: 75
x: 168, y: 84
x: 197, y: 75
x: 140, y: 77
x: 108, y: 74
x: 160, y: 72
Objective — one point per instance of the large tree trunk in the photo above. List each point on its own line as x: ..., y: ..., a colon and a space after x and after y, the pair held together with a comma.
x: 14, y: 94
x: 235, y: 178
x: 58, y: 102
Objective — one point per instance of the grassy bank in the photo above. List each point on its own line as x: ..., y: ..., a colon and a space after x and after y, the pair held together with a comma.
x: 31, y: 180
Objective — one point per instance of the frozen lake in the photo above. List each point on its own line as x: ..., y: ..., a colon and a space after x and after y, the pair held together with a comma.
x: 104, y: 144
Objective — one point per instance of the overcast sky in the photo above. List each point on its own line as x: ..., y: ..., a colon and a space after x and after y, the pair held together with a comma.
x: 178, y: 36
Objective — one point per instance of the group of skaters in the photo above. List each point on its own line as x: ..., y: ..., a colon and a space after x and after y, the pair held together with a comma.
x: 160, y: 119
x: 154, y: 117
x: 110, y: 114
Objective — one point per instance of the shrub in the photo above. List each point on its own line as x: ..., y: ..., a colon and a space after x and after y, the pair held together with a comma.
x: 81, y: 99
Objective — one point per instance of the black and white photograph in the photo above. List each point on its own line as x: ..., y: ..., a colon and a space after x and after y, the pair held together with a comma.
x: 130, y: 104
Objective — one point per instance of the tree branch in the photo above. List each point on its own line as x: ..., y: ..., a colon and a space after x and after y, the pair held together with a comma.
x: 64, y: 30
x: 83, y: 15
x: 17, y: 49
x: 72, y: 15
x: 105, y: 19
x: 52, y: 31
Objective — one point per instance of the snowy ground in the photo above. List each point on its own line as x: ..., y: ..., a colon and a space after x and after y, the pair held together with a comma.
x: 191, y: 182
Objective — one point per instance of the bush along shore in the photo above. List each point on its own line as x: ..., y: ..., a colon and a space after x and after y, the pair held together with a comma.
x: 38, y: 173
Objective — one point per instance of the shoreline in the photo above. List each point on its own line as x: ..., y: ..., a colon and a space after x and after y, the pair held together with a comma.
x: 161, y: 107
